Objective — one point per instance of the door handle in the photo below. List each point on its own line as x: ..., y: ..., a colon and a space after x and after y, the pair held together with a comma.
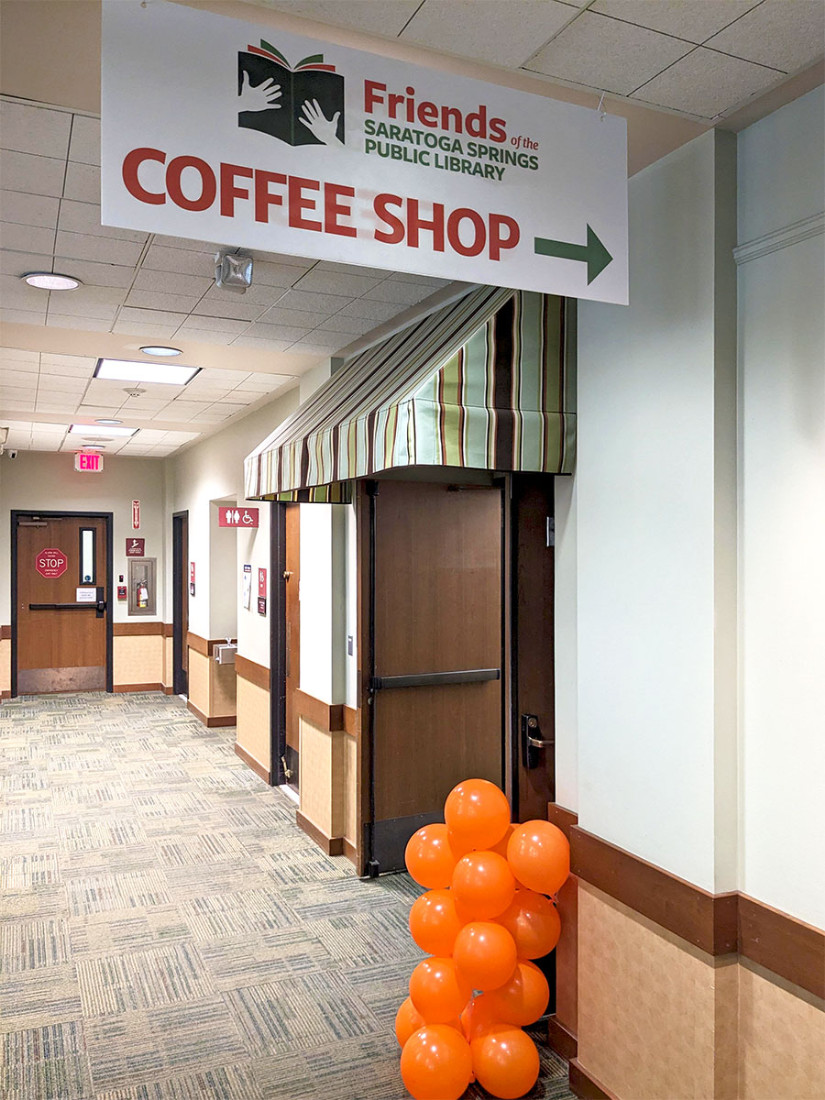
x: 532, y: 742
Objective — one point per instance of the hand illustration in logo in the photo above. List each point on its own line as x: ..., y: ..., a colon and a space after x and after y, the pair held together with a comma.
x: 261, y: 97
x: 323, y: 128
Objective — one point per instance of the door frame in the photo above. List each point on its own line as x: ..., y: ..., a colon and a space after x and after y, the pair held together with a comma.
x: 179, y: 674
x: 277, y: 643
x: 37, y: 513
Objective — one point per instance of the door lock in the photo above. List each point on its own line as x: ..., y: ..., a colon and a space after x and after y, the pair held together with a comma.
x: 532, y: 742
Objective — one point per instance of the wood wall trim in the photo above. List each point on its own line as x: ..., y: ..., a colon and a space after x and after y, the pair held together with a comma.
x: 565, y: 819
x: 250, y: 761
x: 216, y: 720
x: 718, y: 924
x: 252, y: 672
x: 168, y: 630
x: 586, y: 1086
x: 5, y: 633
x: 788, y: 947
x: 137, y: 687
x: 350, y: 851
x: 352, y: 722
x: 133, y: 630
x: 561, y: 1039
x: 706, y: 920
x: 327, y: 716
x: 204, y: 646
x: 333, y: 846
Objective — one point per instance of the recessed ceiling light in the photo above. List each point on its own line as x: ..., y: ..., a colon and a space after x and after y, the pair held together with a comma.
x: 125, y: 370
x: 91, y: 431
x: 94, y: 446
x: 48, y: 280
x: 159, y: 349
x: 104, y: 420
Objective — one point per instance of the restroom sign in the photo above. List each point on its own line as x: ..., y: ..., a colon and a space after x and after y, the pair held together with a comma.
x: 51, y: 562
x: 295, y: 145
x: 237, y: 517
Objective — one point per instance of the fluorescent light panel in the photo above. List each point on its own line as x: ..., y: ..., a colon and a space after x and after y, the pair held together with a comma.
x: 125, y: 370
x: 97, y: 431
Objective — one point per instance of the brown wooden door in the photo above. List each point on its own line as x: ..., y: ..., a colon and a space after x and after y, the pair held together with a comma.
x: 292, y: 577
x: 533, y: 629
x: 61, y: 604
x: 438, y: 600
x: 180, y: 603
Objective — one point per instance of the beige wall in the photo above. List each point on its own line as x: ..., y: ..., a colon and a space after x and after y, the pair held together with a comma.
x: 138, y: 659
x: 253, y: 722
x: 5, y: 664
x: 199, y: 681
x: 659, y: 1018
x: 321, y: 785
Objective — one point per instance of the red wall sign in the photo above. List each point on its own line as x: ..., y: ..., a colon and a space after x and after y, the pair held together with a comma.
x: 262, y: 583
x: 135, y: 515
x: 88, y: 462
x: 51, y: 562
x: 135, y: 548
x: 237, y: 517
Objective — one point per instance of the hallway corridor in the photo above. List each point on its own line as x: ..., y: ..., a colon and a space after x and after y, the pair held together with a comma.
x: 167, y: 932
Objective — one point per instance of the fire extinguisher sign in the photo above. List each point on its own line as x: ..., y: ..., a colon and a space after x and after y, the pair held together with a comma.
x: 135, y: 515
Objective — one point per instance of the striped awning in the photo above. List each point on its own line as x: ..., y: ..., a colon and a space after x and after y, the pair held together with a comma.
x: 482, y: 383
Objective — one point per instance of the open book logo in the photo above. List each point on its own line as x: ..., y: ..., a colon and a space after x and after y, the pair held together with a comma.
x: 300, y: 104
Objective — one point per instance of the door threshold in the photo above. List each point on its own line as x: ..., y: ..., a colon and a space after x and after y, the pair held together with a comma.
x: 291, y: 793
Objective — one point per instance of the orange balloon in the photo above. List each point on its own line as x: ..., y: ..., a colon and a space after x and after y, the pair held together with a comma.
x: 478, y: 1017
x: 434, y: 923
x: 407, y: 1021
x: 533, y: 922
x: 523, y: 999
x: 485, y: 953
x: 539, y: 856
x: 477, y: 813
x: 429, y: 858
x: 483, y: 885
x: 436, y: 1063
x: 505, y: 1061
x: 439, y: 991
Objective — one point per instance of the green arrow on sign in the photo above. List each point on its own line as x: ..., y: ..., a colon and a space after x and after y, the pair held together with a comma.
x: 593, y: 253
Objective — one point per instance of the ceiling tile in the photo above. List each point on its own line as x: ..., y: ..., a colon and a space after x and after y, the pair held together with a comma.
x: 89, y: 324
x: 79, y: 307
x: 156, y: 299
x: 214, y: 324
x: 185, y: 243
x: 313, y: 303
x: 693, y: 20
x: 278, y: 333
x: 81, y: 246
x: 707, y: 84
x: 15, y: 294
x: 162, y: 258
x: 353, y: 326
x: 22, y: 316
x: 425, y: 280
x: 275, y: 275
x: 262, y: 382
x: 19, y: 355
x: 84, y: 145
x: 766, y: 35
x: 150, y: 332
x: 277, y: 315
x: 27, y: 209
x: 205, y: 336
x: 74, y: 364
x: 237, y: 307
x: 84, y: 217
x: 351, y: 269
x: 34, y: 129
x: 173, y: 283
x: 400, y: 293
x: 82, y: 183
x: 264, y: 344
x: 26, y: 172
x: 604, y: 53
x: 26, y: 238
x: 385, y: 17
x: 375, y: 311
x: 91, y: 273
x: 487, y: 30
x: 259, y: 293
x: 333, y: 282
x: 149, y: 316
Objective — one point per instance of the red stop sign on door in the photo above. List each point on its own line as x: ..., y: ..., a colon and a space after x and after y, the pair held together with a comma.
x: 51, y: 562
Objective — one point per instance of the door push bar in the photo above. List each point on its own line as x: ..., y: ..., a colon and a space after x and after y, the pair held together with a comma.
x: 99, y: 607
x: 435, y: 679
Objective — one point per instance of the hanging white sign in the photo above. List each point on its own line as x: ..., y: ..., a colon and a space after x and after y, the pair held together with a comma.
x: 221, y: 130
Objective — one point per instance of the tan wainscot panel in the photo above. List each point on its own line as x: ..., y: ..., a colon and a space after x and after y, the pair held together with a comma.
x: 199, y: 681
x: 350, y: 778
x: 782, y: 1039
x: 321, y: 785
x: 168, y: 663
x: 222, y: 690
x: 253, y: 722
x: 5, y: 664
x: 643, y: 989
x: 138, y: 659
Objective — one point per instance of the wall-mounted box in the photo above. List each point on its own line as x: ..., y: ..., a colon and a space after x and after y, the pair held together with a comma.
x: 225, y: 653
x: 142, y: 586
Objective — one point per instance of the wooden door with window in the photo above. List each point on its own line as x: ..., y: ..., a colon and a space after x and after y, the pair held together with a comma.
x: 436, y: 685
x: 61, y: 635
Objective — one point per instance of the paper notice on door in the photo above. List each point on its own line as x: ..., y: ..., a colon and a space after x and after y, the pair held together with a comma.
x: 86, y: 595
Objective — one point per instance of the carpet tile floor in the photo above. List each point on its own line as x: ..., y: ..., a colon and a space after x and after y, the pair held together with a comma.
x: 168, y: 933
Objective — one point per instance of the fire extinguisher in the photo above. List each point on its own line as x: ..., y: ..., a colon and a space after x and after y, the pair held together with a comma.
x: 142, y: 594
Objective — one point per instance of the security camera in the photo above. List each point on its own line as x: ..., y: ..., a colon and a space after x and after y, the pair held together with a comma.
x: 12, y: 454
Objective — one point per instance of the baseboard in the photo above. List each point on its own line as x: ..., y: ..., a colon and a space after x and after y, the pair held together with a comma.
x: 333, y: 846
x: 167, y: 690
x: 5, y: 695
x: 585, y: 1086
x: 561, y: 1039
x: 218, y: 720
x: 120, y: 688
x: 351, y: 852
x: 256, y: 766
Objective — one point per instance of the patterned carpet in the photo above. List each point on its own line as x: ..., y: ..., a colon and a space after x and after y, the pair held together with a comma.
x: 168, y: 933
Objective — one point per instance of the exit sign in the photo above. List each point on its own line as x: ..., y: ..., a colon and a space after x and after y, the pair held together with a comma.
x: 88, y: 463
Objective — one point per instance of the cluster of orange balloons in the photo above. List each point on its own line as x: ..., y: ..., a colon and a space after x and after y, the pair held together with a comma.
x: 485, y: 916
